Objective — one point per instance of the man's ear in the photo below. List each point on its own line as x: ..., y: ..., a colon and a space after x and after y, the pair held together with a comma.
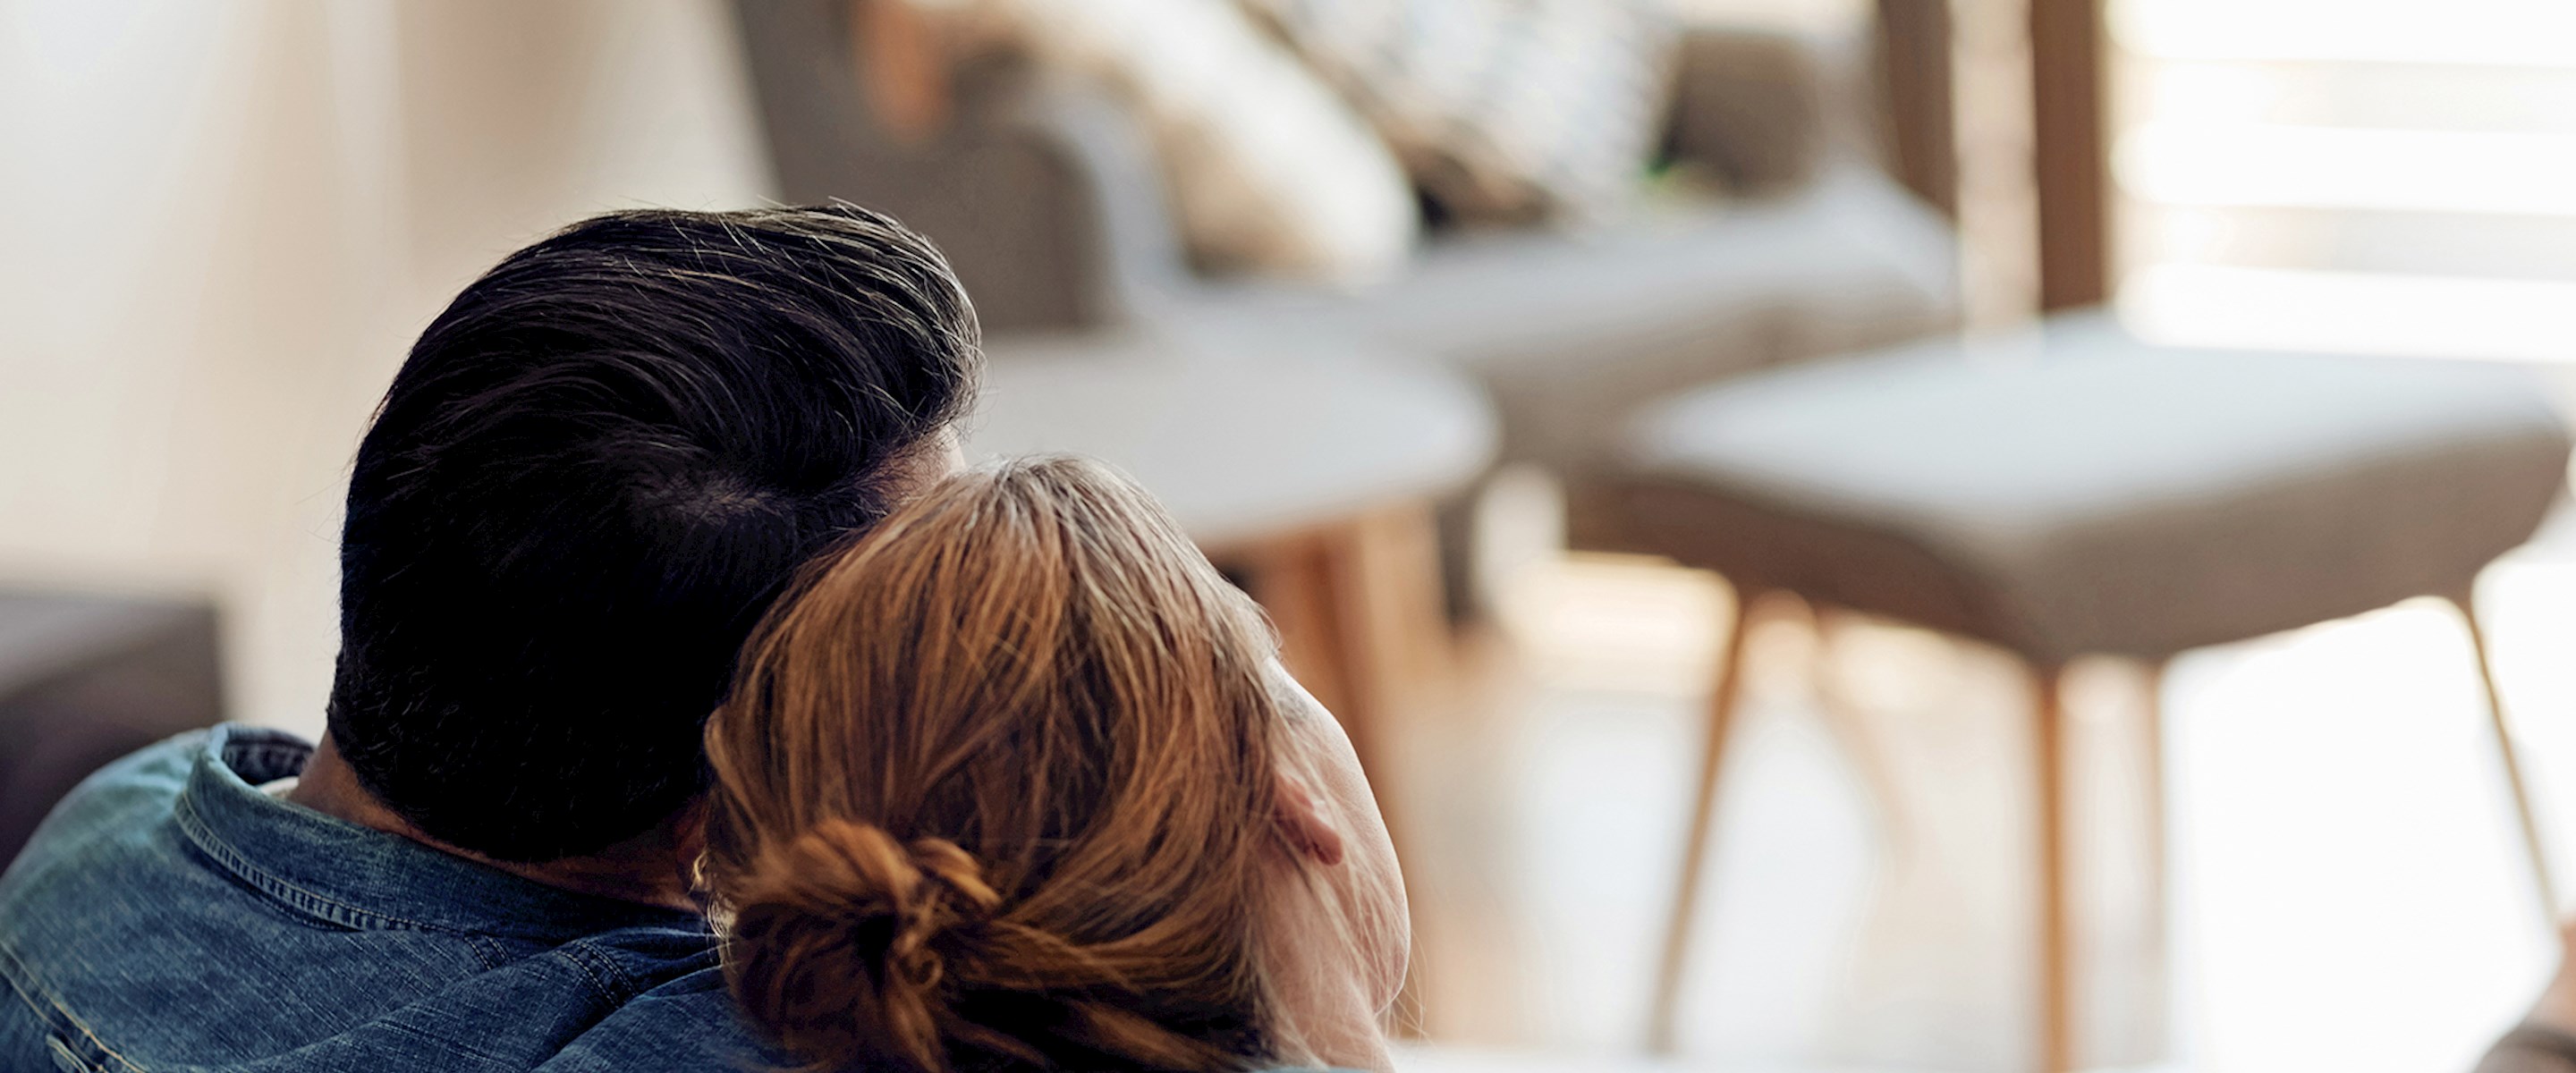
x: 1303, y: 823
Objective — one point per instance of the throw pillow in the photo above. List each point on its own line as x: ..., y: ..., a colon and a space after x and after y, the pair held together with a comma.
x: 1271, y: 172
x: 1502, y: 109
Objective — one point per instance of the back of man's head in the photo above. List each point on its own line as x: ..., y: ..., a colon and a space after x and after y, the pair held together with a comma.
x: 588, y: 480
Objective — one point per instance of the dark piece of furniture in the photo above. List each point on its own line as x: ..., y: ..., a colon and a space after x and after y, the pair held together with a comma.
x: 87, y: 679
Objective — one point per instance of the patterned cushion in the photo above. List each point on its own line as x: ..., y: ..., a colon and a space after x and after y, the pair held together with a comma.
x: 1272, y: 173
x: 1501, y: 109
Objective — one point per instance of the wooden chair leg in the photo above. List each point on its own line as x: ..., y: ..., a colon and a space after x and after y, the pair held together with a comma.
x: 2535, y: 847
x: 2159, y: 848
x: 1724, y: 700
x: 1862, y: 746
x: 2056, y: 1010
x: 1390, y: 617
x: 1362, y: 625
x: 1291, y: 579
x: 1358, y: 609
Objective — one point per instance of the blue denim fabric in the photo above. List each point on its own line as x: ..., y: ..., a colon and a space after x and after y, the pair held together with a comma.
x: 170, y: 916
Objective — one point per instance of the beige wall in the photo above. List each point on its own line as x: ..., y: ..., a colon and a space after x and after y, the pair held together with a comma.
x: 221, y: 223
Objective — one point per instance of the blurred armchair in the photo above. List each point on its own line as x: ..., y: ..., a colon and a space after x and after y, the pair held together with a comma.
x: 87, y: 679
x: 1047, y: 199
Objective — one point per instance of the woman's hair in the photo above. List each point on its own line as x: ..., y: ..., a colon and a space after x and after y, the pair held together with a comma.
x: 994, y: 788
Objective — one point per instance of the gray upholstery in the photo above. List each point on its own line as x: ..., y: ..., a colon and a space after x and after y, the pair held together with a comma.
x: 1239, y: 436
x: 1043, y: 195
x: 84, y: 680
x: 2079, y: 491
x: 1046, y: 202
x: 1572, y: 334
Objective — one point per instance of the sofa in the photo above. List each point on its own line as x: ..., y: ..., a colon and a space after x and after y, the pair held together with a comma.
x: 1044, y: 193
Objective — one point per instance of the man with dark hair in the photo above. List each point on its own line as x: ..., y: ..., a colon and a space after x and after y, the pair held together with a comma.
x: 587, y: 482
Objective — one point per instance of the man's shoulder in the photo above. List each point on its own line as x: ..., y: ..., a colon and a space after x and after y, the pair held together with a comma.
x: 146, y: 781
x: 169, y: 908
x: 94, y: 856
x: 688, y: 1023
x: 124, y: 804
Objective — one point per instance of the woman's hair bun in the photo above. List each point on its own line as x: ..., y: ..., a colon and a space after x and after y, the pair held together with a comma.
x: 840, y: 938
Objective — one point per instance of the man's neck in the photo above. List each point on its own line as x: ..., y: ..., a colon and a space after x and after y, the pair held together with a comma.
x: 652, y: 868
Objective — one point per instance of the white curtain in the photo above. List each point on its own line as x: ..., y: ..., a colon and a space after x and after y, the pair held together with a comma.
x: 221, y: 223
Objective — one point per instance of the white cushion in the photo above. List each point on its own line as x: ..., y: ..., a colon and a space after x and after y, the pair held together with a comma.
x: 1502, y: 109
x: 1272, y: 173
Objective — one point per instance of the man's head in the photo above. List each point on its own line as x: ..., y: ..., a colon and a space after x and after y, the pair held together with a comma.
x: 585, y: 485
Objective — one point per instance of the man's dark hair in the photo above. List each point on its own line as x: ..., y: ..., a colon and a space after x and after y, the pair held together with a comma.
x: 587, y: 482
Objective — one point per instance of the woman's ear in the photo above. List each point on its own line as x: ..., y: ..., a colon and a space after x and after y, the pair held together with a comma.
x: 1303, y: 823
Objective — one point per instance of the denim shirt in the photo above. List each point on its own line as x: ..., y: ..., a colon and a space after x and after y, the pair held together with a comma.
x: 170, y: 916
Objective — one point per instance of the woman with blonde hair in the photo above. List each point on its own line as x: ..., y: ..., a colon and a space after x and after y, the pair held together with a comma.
x: 1015, y: 782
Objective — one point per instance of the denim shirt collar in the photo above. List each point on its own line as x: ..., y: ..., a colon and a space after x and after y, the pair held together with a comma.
x: 358, y: 877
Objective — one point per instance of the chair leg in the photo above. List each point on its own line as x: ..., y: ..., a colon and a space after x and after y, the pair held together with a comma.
x: 2056, y: 1039
x: 1862, y: 746
x: 2159, y: 847
x: 1358, y: 609
x: 1291, y: 578
x: 1359, y: 612
x: 2535, y: 848
x: 1662, y: 1027
x: 1394, y: 628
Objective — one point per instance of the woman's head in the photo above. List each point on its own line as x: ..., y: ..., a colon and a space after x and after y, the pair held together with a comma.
x: 1013, y: 781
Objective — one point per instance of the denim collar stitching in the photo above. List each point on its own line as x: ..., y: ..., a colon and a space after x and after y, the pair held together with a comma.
x: 352, y: 876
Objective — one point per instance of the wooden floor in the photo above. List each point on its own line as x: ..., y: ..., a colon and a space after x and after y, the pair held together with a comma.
x: 2346, y: 891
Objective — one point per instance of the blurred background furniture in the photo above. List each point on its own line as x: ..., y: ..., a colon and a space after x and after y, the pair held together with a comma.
x: 1043, y: 189
x: 1305, y: 468
x: 87, y: 679
x: 1305, y: 462
x: 1045, y: 195
x: 2076, y: 492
